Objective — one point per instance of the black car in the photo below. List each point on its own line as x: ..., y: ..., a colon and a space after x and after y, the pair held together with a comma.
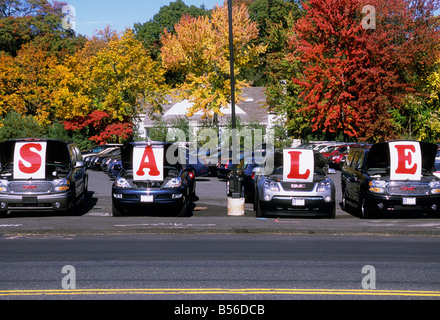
x: 391, y: 177
x: 41, y: 175
x: 246, y: 172
x: 152, y: 178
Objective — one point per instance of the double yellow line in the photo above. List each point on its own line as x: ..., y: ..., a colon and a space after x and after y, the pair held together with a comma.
x: 219, y: 291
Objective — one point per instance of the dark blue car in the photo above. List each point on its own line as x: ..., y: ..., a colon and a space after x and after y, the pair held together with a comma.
x: 151, y: 180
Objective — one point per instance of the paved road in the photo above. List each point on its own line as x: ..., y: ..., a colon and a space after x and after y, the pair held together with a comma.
x: 220, y: 267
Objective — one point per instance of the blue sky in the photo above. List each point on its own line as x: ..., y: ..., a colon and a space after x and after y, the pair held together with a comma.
x: 92, y: 15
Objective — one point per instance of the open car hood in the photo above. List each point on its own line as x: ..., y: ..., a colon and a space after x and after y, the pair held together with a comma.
x: 379, y: 156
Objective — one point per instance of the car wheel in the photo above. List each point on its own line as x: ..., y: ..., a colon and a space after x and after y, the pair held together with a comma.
x: 116, y: 212
x: 332, y: 212
x: 3, y: 213
x: 183, y: 212
x: 344, y: 201
x: 365, y: 212
x: 260, y: 210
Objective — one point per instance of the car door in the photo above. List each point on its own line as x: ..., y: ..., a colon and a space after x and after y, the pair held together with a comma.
x: 351, y: 176
x: 77, y: 172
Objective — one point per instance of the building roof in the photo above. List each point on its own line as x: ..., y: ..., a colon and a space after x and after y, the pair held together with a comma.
x: 251, y: 109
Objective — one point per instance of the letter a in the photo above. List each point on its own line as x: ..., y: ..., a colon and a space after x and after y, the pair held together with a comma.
x: 369, y: 21
x: 369, y: 281
x: 150, y: 164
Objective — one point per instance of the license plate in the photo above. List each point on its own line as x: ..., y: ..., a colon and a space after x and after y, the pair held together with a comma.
x: 298, y: 202
x: 409, y: 201
x: 147, y: 198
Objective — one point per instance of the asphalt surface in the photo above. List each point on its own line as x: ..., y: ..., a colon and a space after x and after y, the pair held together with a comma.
x: 209, y: 216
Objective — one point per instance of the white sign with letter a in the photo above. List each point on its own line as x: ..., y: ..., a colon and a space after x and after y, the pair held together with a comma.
x: 148, y: 163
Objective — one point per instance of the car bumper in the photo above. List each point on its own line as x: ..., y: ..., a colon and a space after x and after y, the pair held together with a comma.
x: 393, y: 203
x: 41, y: 202
x: 298, y: 205
x: 130, y: 199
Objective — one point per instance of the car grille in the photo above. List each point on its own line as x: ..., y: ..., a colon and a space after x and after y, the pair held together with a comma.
x: 30, y: 187
x: 404, y: 189
x: 289, y: 186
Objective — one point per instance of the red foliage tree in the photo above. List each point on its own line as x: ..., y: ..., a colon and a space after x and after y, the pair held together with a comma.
x: 101, y: 128
x: 352, y: 77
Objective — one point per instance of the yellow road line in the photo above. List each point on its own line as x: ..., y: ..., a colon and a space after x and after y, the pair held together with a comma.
x: 220, y: 291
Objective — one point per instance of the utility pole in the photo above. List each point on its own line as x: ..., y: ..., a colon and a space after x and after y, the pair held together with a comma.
x: 236, y: 202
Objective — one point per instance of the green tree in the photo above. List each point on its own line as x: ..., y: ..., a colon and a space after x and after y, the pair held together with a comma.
x: 168, y: 16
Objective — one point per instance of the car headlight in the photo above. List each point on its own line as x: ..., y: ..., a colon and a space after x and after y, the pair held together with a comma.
x: 435, y: 186
x: 324, y: 186
x: 122, y: 183
x: 377, y: 186
x: 173, y: 183
x: 271, y: 185
x: 61, y: 184
x: 3, y: 185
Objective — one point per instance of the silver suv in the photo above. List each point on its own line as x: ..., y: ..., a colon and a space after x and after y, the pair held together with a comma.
x: 41, y: 175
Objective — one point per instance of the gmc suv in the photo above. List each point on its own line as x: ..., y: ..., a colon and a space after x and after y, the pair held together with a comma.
x: 391, y: 177
x: 41, y: 175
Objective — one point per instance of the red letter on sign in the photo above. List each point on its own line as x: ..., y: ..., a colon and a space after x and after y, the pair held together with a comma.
x: 151, y: 164
x: 404, y: 156
x: 33, y: 158
x: 294, y: 167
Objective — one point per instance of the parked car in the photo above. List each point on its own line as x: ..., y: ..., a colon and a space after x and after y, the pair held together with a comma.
x: 97, y: 149
x: 295, y: 182
x: 41, y: 175
x: 246, y: 172
x: 89, y: 160
x: 391, y: 177
x: 114, y: 169
x: 148, y: 181
x: 99, y: 159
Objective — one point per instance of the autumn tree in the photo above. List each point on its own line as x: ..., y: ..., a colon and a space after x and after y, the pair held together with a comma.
x: 351, y: 78
x: 200, y: 51
x: 39, y: 21
x: 150, y: 32
x: 107, y: 85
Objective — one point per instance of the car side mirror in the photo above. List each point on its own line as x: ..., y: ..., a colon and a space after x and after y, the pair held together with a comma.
x: 80, y: 164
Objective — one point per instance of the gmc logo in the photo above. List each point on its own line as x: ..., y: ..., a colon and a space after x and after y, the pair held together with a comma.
x: 408, y: 188
x: 30, y: 187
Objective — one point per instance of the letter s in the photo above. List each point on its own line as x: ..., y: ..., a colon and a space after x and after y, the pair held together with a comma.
x: 30, y: 156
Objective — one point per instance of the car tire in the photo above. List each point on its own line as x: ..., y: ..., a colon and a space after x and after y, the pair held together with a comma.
x: 365, y: 212
x: 3, y: 213
x: 332, y: 212
x: 183, y: 212
x: 116, y: 212
x: 261, y: 212
x: 344, y: 201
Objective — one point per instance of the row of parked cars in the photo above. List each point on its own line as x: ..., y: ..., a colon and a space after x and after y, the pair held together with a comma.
x: 376, y: 179
x: 51, y: 175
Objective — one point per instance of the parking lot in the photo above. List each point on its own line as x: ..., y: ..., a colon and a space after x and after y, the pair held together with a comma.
x: 211, y: 193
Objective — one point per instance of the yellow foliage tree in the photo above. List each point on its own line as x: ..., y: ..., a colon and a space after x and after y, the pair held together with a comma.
x: 200, y: 50
x: 25, y: 81
x: 113, y: 74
